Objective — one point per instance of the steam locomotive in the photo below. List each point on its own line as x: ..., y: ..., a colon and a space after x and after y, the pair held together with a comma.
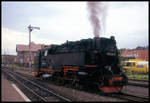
x: 85, y: 62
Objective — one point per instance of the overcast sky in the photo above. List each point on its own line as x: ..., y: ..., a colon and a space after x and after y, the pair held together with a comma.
x: 61, y: 21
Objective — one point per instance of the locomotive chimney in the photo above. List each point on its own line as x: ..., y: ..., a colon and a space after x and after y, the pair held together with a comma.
x: 96, y: 42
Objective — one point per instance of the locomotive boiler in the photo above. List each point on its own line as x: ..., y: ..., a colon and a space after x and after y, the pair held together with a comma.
x: 85, y: 62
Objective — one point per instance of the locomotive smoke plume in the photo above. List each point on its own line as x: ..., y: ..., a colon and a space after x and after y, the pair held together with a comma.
x: 97, y: 11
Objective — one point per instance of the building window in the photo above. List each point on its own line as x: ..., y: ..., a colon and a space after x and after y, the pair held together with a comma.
x: 140, y: 66
x: 129, y: 64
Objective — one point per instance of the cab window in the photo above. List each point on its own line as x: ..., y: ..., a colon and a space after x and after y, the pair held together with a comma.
x: 45, y: 53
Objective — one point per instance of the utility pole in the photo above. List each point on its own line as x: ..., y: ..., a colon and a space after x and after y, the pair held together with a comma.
x: 30, y: 29
x: 4, y: 58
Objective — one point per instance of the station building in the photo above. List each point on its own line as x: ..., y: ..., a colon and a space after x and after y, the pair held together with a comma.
x: 23, y: 53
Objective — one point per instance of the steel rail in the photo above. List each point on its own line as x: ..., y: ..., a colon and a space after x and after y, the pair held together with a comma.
x: 130, y: 97
x: 43, y: 99
x: 139, y: 85
x: 57, y: 95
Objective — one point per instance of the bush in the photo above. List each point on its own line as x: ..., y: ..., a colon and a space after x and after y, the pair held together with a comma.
x: 136, y: 75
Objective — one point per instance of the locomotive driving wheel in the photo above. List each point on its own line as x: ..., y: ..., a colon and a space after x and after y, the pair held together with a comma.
x: 41, y: 77
x: 75, y: 83
x: 58, y: 80
x: 120, y: 91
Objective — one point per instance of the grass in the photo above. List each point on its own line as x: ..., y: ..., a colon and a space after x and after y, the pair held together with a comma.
x: 136, y: 75
x: 16, y: 66
x: 13, y: 66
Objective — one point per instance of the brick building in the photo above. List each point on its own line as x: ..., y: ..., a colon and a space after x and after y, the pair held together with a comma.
x: 137, y: 53
x: 23, y: 53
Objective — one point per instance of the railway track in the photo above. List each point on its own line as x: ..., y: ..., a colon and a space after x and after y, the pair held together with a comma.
x: 120, y: 96
x: 39, y: 93
x: 132, y: 82
x: 144, y: 84
x: 130, y: 98
x: 124, y: 96
x: 138, y: 80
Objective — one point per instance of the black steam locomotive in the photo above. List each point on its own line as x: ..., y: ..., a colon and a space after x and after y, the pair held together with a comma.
x: 83, y: 63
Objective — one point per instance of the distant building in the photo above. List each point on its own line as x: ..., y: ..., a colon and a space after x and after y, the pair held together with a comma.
x: 23, y: 53
x: 9, y: 59
x: 137, y: 53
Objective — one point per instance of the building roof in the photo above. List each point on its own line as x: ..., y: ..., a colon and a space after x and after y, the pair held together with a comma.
x: 34, y: 47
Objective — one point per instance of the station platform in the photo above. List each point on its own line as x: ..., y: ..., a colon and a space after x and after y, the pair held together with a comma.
x: 10, y: 92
